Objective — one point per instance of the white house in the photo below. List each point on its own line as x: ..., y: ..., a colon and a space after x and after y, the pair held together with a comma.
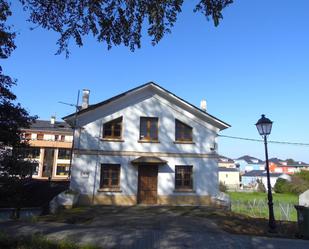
x: 145, y: 146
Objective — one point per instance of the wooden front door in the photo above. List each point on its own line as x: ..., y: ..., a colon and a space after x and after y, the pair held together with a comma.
x: 147, y: 184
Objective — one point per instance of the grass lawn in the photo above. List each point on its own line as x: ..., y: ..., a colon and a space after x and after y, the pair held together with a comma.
x: 255, y: 204
x: 37, y: 242
x: 243, y: 196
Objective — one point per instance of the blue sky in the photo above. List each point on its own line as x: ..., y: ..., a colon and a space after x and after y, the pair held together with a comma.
x: 255, y: 62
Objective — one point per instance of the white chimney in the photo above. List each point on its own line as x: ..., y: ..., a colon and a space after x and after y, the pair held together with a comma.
x: 203, y: 105
x: 85, y: 101
x: 52, y: 120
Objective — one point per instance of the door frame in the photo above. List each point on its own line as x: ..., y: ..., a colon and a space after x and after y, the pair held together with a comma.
x: 139, y: 201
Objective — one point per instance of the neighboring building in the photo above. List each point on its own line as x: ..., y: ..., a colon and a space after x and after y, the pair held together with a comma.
x: 50, y: 145
x: 249, y: 163
x: 250, y: 179
x: 145, y: 146
x: 229, y: 177
x: 226, y: 162
x: 287, y: 166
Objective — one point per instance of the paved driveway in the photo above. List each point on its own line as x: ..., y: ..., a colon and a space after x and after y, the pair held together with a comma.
x: 135, y: 229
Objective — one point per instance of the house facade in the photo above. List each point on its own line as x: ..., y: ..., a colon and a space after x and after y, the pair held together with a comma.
x: 50, y: 146
x: 230, y: 177
x: 249, y: 163
x: 145, y: 146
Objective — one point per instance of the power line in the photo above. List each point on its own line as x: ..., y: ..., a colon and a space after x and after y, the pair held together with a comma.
x: 260, y: 140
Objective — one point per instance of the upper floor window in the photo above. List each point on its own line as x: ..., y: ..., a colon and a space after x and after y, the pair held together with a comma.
x: 183, y: 177
x: 149, y: 129
x: 112, y: 129
x: 62, y: 138
x: 64, y: 153
x: 183, y: 132
x: 40, y: 136
x: 28, y: 136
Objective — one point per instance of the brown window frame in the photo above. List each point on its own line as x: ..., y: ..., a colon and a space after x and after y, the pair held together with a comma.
x: 113, y: 123
x: 62, y: 138
x: 183, y: 128
x: 109, y: 168
x: 182, y: 170
x: 148, y: 121
x: 38, y: 136
x: 27, y: 136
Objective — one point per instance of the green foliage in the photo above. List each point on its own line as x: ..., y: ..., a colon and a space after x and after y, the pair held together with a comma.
x: 114, y: 22
x: 281, y: 186
x: 38, y: 242
x: 222, y: 187
x: 299, y: 183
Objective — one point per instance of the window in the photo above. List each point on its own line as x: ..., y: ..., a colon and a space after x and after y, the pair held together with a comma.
x: 56, y: 137
x: 40, y: 136
x: 149, y: 129
x: 62, y: 138
x: 62, y: 169
x: 183, y: 178
x: 28, y: 136
x: 64, y: 153
x: 112, y: 129
x: 183, y: 132
x: 110, y: 176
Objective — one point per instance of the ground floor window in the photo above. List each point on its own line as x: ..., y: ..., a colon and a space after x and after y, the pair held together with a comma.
x: 183, y: 177
x: 110, y: 176
x: 62, y: 169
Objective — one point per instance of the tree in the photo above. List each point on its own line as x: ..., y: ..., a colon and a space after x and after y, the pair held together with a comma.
x: 14, y: 169
x: 12, y: 115
x: 114, y: 22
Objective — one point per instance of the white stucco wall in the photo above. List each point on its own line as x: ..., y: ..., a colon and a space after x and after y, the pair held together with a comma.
x: 86, y: 175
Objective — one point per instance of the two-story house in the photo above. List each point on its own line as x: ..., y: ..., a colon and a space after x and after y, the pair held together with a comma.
x: 145, y: 146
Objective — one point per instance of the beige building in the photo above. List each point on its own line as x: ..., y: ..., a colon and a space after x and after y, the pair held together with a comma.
x: 226, y: 162
x: 50, y: 145
x: 229, y: 177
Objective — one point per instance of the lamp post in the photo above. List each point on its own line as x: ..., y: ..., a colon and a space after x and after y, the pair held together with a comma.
x: 264, y: 126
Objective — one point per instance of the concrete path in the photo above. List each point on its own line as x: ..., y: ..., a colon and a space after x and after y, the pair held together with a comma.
x: 123, y: 230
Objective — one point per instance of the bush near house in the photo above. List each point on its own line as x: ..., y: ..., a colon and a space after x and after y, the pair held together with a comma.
x: 222, y: 187
x: 299, y: 183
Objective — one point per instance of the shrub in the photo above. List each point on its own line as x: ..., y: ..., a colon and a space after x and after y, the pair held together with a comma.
x: 222, y: 187
x: 282, y: 186
x: 260, y: 186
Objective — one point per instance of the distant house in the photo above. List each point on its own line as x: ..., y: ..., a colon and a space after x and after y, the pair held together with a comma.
x: 229, y: 177
x: 250, y: 179
x: 50, y: 145
x: 249, y: 163
x: 286, y: 166
x: 226, y: 162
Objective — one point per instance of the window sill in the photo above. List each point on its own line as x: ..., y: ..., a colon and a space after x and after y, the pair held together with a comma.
x: 109, y: 190
x: 149, y: 141
x: 184, y: 191
x: 112, y: 140
x: 183, y: 142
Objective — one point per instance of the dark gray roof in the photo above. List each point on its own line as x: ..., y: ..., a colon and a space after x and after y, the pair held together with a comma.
x: 223, y: 169
x: 45, y: 125
x: 224, y: 159
x: 250, y: 159
x: 91, y: 107
x: 256, y: 173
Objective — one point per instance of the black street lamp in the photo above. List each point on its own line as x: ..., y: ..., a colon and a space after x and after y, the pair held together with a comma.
x: 263, y: 126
